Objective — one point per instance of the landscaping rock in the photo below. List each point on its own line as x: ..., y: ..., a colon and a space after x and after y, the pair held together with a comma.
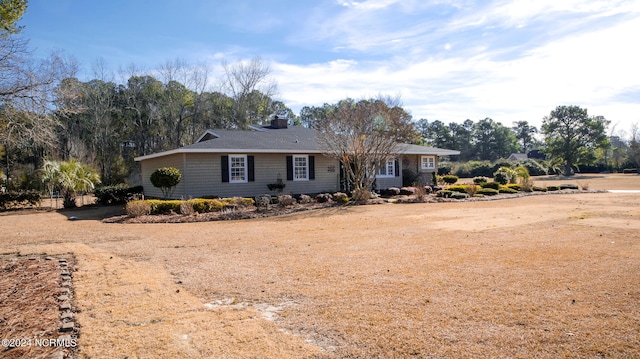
x: 390, y: 192
x: 407, y: 191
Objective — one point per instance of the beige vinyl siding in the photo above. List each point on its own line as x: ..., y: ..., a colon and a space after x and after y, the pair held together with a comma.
x: 269, y: 167
x: 150, y: 165
x: 202, y: 176
x: 412, y: 162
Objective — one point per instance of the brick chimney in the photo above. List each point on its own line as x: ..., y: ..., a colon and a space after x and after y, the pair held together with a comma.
x: 280, y: 122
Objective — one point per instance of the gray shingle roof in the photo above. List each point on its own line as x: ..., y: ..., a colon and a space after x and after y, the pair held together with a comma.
x: 294, y: 139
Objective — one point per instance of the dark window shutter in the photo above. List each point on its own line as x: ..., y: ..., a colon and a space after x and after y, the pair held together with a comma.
x: 224, y: 167
x: 250, y: 169
x: 289, y: 168
x: 312, y: 167
x: 396, y: 169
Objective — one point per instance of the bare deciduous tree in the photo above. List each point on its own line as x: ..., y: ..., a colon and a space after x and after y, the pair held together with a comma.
x: 248, y: 84
x: 27, y: 94
x: 363, y: 135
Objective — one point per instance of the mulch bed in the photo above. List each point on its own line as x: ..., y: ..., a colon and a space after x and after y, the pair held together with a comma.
x: 277, y: 210
x: 34, y: 288
x: 235, y: 214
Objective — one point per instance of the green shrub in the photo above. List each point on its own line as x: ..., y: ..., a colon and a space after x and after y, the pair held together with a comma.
x: 460, y: 188
x: 444, y: 193
x: 501, y: 163
x: 164, y: 206
x: 569, y: 186
x: 492, y: 185
x: 539, y: 189
x: 166, y: 178
x: 480, y: 180
x: 449, y: 179
x: 444, y: 169
x: 553, y: 188
x: 501, y: 177
x: 507, y: 190
x: 488, y: 191
x: 238, y: 201
x: 515, y: 186
x: 341, y: 197
x: 458, y: 195
x: 14, y: 199
x: 200, y: 205
x: 534, y: 167
x: 474, y: 169
x: 116, y: 194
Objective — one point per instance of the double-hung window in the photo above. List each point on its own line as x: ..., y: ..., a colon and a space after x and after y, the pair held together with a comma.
x: 386, y: 169
x: 428, y: 162
x: 301, y: 168
x: 237, y: 168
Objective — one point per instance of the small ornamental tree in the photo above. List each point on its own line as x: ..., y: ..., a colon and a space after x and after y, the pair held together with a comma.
x: 166, y: 178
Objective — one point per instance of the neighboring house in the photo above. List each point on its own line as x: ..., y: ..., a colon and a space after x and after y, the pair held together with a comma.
x: 230, y: 163
x: 517, y: 157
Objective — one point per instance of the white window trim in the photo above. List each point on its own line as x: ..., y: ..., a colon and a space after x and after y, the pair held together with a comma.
x: 306, y: 161
x: 422, y: 166
x: 246, y: 174
x: 392, y: 163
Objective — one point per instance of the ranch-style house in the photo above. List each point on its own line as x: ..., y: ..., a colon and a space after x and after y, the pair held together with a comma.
x: 229, y: 163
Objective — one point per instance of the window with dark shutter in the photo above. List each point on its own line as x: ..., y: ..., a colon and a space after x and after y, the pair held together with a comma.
x: 312, y: 167
x: 397, y: 167
x: 289, y: 168
x: 224, y: 167
x: 251, y: 173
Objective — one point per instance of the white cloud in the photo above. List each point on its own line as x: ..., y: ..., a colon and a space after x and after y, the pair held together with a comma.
x: 588, y: 69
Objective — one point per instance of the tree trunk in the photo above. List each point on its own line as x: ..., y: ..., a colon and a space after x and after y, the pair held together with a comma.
x: 568, y: 169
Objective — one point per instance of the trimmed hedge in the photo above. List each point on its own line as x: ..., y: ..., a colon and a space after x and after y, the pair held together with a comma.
x: 19, y: 199
x: 117, y: 194
x: 460, y: 188
x: 491, y: 185
x: 507, y: 190
x: 480, y: 180
x: 458, y: 195
x: 488, y: 191
x: 200, y: 205
x: 569, y: 186
x: 449, y: 179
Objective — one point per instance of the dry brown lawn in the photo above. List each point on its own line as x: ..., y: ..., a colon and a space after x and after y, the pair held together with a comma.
x: 546, y: 276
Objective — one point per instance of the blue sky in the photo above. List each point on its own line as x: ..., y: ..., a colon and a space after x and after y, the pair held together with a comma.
x: 510, y: 60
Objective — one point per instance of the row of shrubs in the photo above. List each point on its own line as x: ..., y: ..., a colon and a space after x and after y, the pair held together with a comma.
x: 14, y: 199
x: 137, y: 208
x: 487, y: 169
x: 493, y: 188
x: 117, y: 194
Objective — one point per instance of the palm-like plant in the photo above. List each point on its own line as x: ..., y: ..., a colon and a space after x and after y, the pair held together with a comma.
x: 71, y: 177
